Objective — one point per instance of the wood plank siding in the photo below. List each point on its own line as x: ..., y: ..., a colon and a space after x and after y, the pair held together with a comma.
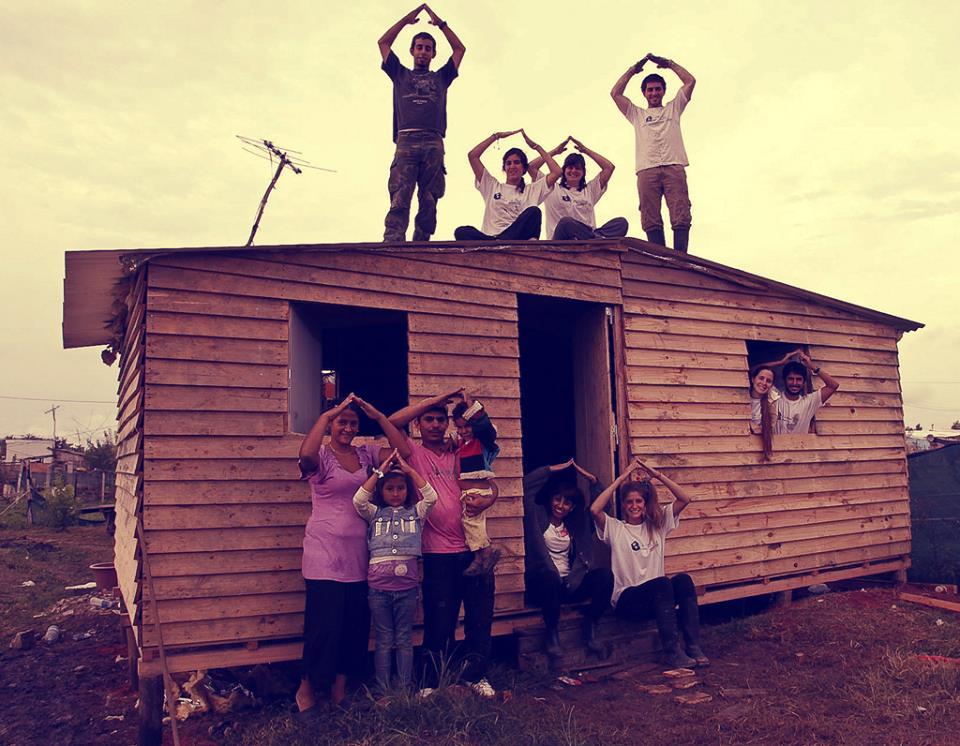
x: 207, y: 458
x: 833, y: 499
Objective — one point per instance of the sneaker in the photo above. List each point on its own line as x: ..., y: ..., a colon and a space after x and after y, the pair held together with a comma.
x: 696, y: 652
x: 484, y: 689
x: 425, y: 692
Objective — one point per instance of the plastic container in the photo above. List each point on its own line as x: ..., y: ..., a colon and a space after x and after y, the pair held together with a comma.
x: 105, y: 574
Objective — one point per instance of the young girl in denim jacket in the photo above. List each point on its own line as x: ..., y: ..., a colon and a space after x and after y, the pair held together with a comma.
x: 388, y: 502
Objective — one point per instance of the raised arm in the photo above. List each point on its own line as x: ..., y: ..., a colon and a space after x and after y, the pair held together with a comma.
x: 598, y: 506
x: 361, y: 498
x: 533, y: 169
x: 685, y: 77
x: 386, y: 41
x: 480, y: 148
x: 426, y: 489
x: 452, y: 39
x: 680, y: 493
x: 830, y: 384
x: 606, y: 167
x: 617, y: 92
x: 395, y: 437
x: 310, y: 446
x: 483, y: 429
x: 401, y: 417
x: 546, y: 158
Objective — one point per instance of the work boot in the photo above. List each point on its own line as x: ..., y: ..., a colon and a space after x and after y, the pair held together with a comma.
x: 657, y: 236
x: 676, y: 658
x: 688, y: 619
x: 551, y: 643
x: 681, y: 239
x: 590, y: 639
x: 666, y: 616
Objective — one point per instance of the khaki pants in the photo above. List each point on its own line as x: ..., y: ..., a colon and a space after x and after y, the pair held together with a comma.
x: 669, y: 182
x: 474, y: 529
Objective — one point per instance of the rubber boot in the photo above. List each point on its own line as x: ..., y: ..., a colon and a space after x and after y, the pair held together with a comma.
x: 591, y: 639
x: 657, y: 236
x: 681, y: 239
x: 551, y: 644
x: 688, y: 617
x: 672, y: 655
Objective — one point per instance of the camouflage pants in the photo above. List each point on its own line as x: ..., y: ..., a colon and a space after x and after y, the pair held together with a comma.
x: 418, y: 162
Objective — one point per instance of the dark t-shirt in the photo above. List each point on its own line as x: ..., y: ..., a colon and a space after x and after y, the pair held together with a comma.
x: 419, y: 97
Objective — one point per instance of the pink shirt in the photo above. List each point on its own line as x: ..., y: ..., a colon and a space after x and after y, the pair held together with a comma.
x: 335, y: 540
x: 443, y: 530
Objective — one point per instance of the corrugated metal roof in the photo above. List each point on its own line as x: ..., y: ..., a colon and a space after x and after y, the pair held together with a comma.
x: 93, y: 277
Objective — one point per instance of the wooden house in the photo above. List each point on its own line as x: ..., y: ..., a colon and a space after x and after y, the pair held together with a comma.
x: 597, y: 350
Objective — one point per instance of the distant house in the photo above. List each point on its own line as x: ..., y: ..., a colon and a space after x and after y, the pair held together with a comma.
x: 926, y: 440
x: 935, y: 514
x: 18, y: 449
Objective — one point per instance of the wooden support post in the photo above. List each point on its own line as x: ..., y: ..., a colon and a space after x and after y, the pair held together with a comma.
x: 150, y: 711
x: 900, y: 576
x: 783, y: 599
x: 132, y: 656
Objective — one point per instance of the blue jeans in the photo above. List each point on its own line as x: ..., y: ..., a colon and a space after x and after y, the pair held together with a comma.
x: 392, y: 613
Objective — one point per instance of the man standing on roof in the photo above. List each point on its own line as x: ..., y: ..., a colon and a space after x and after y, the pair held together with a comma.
x: 661, y: 158
x: 419, y: 125
x: 796, y: 409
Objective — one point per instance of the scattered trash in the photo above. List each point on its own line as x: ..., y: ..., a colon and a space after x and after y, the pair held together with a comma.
x: 83, y: 587
x: 119, y: 659
x: 40, y: 615
x: 114, y: 717
x: 27, y: 584
x: 540, y: 699
x: 921, y: 709
x: 940, y: 589
x: 102, y: 603
x: 893, y: 606
x: 819, y: 589
x: 800, y: 657
x: 52, y: 634
x: 939, y: 622
x: 819, y: 600
x: 693, y: 699
x: 569, y: 681
x: 81, y: 669
x: 84, y: 635
x: 679, y: 673
x: 23, y: 640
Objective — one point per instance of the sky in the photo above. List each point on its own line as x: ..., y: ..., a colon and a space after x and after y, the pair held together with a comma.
x: 821, y: 136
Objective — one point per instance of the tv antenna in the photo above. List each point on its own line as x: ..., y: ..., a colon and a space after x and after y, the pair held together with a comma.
x: 269, y: 151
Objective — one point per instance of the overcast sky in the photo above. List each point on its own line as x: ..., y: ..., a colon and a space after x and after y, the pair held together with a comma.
x: 822, y: 139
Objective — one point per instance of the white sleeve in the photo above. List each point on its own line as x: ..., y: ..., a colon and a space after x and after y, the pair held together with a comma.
x: 595, y: 190
x: 680, y: 101
x: 361, y: 501
x: 606, y: 534
x: 632, y: 113
x: 429, y: 500
x: 486, y: 184
x: 539, y: 191
x: 812, y: 403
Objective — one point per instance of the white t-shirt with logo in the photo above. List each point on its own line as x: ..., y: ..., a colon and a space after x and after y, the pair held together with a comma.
x: 636, y: 552
x: 557, y: 539
x: 572, y: 203
x: 659, y: 142
x: 504, y: 203
x: 794, y: 417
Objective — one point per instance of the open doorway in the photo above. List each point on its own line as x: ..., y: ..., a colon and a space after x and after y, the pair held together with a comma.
x: 566, y: 387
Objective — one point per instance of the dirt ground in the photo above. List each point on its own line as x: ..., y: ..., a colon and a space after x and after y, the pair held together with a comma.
x: 842, y: 668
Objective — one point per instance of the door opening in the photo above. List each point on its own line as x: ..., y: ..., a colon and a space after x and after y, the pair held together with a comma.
x: 566, y: 395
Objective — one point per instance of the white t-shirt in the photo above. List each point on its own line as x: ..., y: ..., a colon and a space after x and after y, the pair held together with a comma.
x: 793, y: 417
x: 557, y: 540
x: 504, y: 203
x: 659, y: 142
x: 636, y: 552
x: 571, y: 203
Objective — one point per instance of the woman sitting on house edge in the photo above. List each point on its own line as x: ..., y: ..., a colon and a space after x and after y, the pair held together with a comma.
x: 561, y: 566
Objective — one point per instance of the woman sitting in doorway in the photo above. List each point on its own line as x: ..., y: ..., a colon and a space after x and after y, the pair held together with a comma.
x: 569, y: 206
x: 641, y: 590
x: 336, y: 624
x: 510, y: 212
x: 559, y: 551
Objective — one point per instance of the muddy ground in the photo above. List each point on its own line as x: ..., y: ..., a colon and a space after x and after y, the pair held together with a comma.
x: 846, y: 667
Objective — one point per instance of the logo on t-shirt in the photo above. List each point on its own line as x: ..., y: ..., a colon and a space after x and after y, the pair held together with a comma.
x: 496, y: 195
x: 635, y: 546
x: 566, y: 198
x: 648, y: 119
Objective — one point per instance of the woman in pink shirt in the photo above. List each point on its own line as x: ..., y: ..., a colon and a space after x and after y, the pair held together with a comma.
x: 336, y: 624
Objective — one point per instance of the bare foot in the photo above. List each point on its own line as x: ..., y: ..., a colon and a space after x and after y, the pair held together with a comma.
x: 304, y: 696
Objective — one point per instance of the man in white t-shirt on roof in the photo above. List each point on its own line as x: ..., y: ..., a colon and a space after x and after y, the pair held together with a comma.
x: 796, y: 409
x: 661, y: 158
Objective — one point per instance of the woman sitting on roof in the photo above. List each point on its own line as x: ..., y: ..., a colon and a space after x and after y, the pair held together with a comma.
x: 641, y: 590
x: 559, y: 551
x: 336, y: 624
x: 569, y: 206
x: 510, y: 212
